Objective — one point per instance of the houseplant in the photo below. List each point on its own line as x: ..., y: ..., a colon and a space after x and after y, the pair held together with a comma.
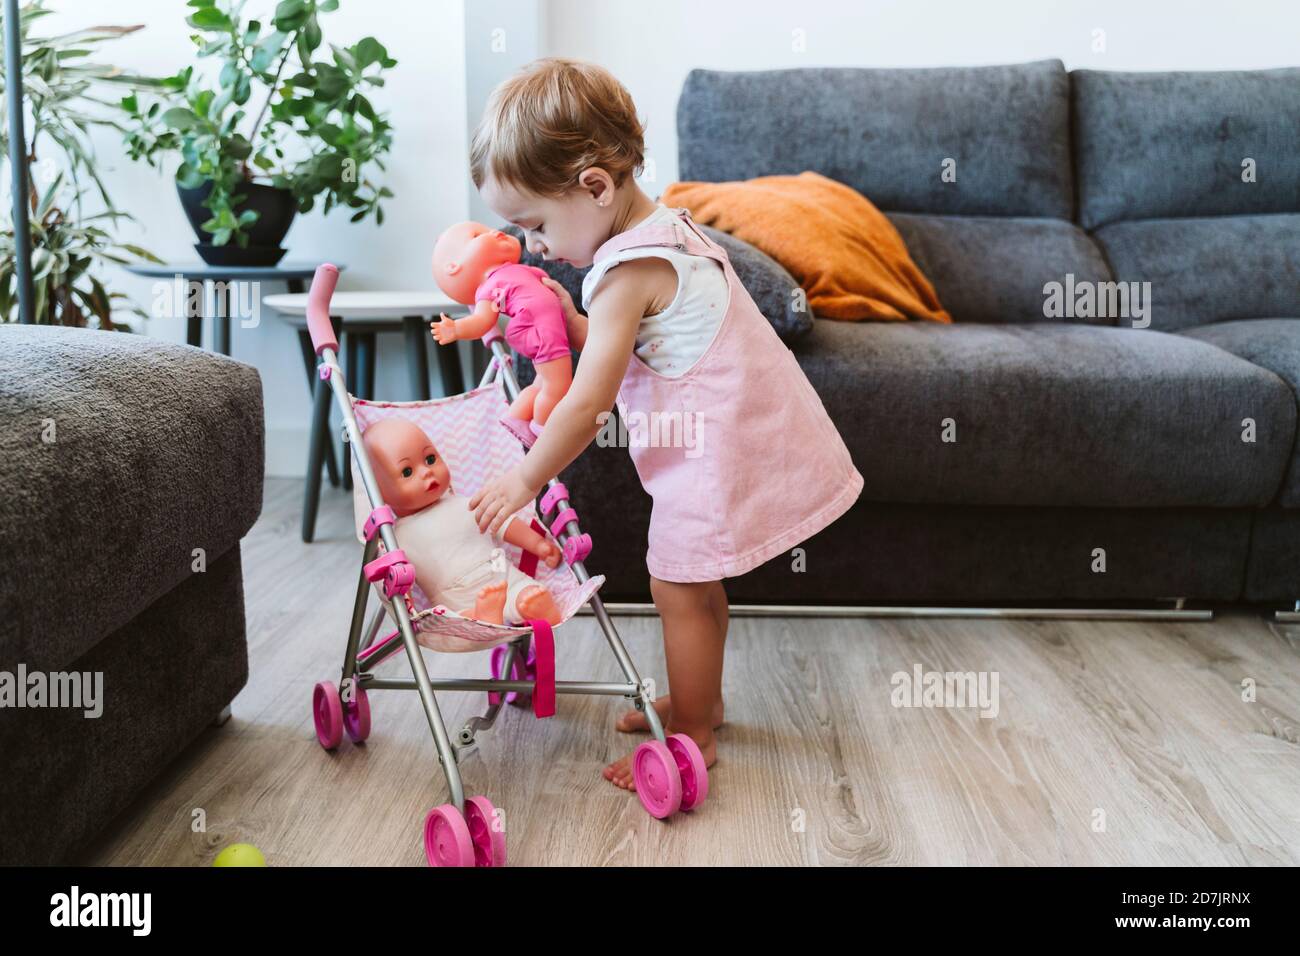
x: 313, y: 133
x: 65, y: 92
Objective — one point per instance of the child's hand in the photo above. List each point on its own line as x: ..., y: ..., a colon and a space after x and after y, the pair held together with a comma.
x: 566, y: 301
x: 444, y: 331
x: 548, y: 553
x: 498, y: 500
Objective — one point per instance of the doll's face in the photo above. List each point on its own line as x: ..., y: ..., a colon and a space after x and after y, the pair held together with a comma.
x: 568, y: 228
x: 465, y: 253
x: 411, y: 473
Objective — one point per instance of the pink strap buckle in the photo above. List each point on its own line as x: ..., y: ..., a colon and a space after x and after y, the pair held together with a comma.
x: 553, y: 496
x: 563, y: 518
x: 396, y: 571
x: 324, y: 371
x: 378, y: 518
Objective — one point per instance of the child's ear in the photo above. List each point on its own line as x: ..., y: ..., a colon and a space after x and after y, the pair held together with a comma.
x: 452, y: 268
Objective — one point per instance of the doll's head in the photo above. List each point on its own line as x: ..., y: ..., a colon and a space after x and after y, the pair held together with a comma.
x: 410, y: 472
x: 466, y: 253
x: 557, y: 153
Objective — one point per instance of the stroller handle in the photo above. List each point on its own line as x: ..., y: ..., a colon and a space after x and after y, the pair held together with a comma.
x: 318, y: 308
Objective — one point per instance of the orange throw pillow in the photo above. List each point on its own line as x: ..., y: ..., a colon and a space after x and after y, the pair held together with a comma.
x: 843, y: 251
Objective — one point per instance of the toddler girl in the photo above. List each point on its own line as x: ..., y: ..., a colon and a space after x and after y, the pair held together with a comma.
x: 672, y: 336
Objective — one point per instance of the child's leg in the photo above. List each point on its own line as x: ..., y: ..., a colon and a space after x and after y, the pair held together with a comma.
x: 633, y: 720
x: 693, y: 645
x: 522, y: 407
x: 555, y: 376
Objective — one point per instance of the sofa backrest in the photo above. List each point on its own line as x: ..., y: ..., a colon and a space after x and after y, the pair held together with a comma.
x: 990, y: 235
x: 887, y: 133
x: 1191, y: 181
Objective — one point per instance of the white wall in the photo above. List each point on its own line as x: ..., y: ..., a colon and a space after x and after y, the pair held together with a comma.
x: 425, y: 99
x: 651, y: 47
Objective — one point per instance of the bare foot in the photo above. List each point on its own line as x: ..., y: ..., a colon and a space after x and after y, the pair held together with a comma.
x: 491, y: 604
x: 535, y: 602
x: 619, y: 773
x: 633, y: 720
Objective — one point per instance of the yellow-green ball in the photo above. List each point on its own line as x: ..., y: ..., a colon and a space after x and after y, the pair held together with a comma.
x: 240, y: 854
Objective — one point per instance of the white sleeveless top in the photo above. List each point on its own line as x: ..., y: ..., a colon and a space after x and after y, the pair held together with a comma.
x: 671, y: 341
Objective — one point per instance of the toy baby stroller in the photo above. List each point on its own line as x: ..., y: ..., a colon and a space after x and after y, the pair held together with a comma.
x: 669, y: 770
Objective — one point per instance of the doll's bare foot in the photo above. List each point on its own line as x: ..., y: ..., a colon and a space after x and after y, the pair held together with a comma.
x: 631, y: 721
x: 535, y: 602
x: 619, y: 773
x: 490, y: 605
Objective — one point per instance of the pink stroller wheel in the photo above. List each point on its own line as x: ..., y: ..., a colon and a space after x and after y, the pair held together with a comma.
x: 356, y: 716
x: 690, y: 765
x: 446, y: 838
x: 328, y: 713
x: 518, y: 671
x: 658, y: 782
x: 489, y: 843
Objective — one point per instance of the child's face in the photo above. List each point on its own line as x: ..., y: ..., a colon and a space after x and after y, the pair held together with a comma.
x: 411, y: 473
x: 567, y: 229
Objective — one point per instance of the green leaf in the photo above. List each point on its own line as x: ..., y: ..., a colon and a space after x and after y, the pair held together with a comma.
x: 180, y: 118
x: 290, y: 15
x: 357, y: 217
x: 327, y: 6
x: 369, y: 50
x: 209, y: 18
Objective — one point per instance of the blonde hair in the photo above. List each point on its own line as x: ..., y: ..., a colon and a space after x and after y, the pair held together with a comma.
x: 550, y: 121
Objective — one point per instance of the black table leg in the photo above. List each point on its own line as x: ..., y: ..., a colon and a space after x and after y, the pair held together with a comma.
x: 320, y: 438
x: 309, y: 363
x: 221, y: 295
x: 417, y: 356
x: 351, y: 348
x: 194, y: 305
x: 453, y: 379
x: 366, y: 358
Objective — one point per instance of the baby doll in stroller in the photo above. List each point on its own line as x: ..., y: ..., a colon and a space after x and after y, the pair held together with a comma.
x: 455, y: 565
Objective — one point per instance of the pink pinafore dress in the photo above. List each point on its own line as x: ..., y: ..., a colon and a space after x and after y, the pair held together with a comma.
x: 738, y: 453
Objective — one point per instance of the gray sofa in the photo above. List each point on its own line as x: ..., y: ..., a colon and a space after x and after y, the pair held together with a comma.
x: 1073, y: 433
x: 131, y: 469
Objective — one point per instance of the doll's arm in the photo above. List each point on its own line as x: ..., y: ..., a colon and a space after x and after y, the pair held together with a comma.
x: 520, y: 535
x: 473, y: 326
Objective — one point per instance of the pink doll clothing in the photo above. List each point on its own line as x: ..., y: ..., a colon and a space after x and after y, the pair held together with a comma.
x: 536, y: 327
x: 738, y: 454
x: 453, y: 560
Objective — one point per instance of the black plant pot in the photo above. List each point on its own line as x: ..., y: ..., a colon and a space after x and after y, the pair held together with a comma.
x: 275, y: 208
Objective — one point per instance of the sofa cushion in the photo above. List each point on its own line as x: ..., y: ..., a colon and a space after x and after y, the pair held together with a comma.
x: 766, y: 280
x: 1154, y: 145
x: 1050, y: 414
x: 888, y: 132
x: 1209, y: 269
x: 1273, y: 344
x: 120, y: 456
x: 994, y: 269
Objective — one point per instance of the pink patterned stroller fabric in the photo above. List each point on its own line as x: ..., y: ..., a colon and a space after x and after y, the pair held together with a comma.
x: 469, y: 435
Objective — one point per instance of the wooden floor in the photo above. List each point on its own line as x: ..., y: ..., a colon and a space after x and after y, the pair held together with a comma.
x: 1115, y: 743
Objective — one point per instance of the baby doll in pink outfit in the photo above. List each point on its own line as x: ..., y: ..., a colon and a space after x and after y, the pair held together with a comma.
x: 479, y: 266
x: 455, y: 565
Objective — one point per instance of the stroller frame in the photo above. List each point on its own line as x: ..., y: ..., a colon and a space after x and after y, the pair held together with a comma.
x: 362, y: 652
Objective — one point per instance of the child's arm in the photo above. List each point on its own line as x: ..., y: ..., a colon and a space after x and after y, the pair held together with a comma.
x: 472, y: 326
x: 616, y: 310
x: 520, y: 535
